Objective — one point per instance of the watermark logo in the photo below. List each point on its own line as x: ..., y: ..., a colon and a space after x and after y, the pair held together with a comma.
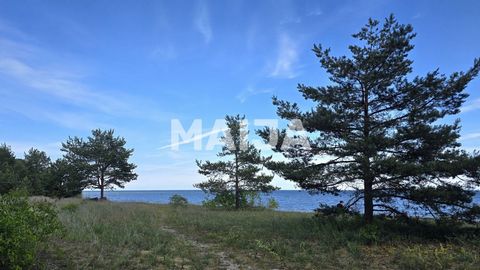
x: 221, y: 135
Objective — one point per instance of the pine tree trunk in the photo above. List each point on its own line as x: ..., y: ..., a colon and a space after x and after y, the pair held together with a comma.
x: 237, y: 196
x: 237, y: 188
x: 368, y: 200
x: 367, y: 173
x: 102, y: 187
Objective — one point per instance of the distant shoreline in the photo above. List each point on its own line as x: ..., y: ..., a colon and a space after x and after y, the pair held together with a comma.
x: 147, y: 190
x: 288, y: 200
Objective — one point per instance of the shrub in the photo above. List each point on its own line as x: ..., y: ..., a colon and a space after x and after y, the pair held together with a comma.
x: 178, y: 200
x: 226, y: 200
x: 369, y: 234
x: 272, y: 203
x: 23, y: 225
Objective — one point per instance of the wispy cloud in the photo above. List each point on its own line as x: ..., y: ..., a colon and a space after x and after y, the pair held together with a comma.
x: 250, y: 91
x: 470, y: 136
x: 286, y: 59
x: 471, y: 106
x: 417, y: 16
x: 60, y: 96
x: 291, y: 20
x: 6, y: 28
x: 58, y: 84
x: 39, y: 85
x: 72, y: 120
x: 316, y: 12
x: 202, y: 22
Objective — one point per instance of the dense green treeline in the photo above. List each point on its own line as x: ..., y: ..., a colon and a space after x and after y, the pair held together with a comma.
x: 37, y: 174
x: 100, y: 161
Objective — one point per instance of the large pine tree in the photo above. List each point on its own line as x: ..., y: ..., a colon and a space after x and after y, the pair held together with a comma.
x: 101, y: 160
x: 380, y: 130
x: 240, y: 171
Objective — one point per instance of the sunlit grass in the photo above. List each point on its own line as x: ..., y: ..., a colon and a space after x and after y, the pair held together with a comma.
x: 106, y: 235
x: 292, y: 240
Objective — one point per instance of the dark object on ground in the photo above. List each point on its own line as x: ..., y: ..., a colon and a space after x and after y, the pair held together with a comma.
x: 339, y: 209
x: 340, y: 205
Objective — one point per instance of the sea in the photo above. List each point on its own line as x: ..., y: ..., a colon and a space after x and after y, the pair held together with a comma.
x: 288, y: 200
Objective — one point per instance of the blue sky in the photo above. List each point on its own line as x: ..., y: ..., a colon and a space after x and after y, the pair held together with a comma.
x: 67, y: 67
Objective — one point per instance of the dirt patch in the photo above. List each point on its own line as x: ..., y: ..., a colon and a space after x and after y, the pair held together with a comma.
x: 225, y: 262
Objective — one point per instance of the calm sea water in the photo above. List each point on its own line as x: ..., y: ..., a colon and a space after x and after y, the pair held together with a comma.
x: 288, y: 200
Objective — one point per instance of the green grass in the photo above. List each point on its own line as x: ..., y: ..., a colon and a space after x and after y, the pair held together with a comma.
x: 106, y: 235
x: 296, y: 240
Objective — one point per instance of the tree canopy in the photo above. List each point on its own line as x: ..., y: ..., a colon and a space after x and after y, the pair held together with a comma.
x: 9, y: 178
x: 37, y: 165
x: 240, y: 174
x: 102, y: 160
x: 380, y: 130
x: 36, y: 174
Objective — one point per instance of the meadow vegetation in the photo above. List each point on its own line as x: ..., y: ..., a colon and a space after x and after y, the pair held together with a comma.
x: 107, y: 235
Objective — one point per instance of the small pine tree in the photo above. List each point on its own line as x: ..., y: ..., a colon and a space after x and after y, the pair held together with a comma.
x: 37, y: 165
x: 242, y: 173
